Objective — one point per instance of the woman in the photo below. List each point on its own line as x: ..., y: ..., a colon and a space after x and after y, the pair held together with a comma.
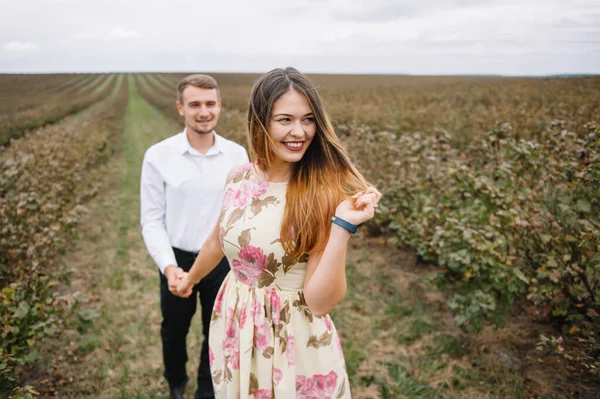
x: 284, y: 226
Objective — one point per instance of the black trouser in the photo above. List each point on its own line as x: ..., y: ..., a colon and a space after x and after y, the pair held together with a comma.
x: 177, y: 314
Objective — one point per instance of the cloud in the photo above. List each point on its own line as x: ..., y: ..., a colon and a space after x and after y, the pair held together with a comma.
x: 16, y: 46
x: 118, y: 33
x: 98, y: 36
x: 391, y: 10
x: 358, y: 36
x: 378, y: 12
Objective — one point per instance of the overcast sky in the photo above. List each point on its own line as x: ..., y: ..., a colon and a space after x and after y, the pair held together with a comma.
x: 509, y: 37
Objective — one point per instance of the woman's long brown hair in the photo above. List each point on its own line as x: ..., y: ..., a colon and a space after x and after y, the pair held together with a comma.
x: 319, y: 181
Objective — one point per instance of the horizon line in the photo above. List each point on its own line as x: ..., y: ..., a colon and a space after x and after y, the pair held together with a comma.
x: 559, y: 74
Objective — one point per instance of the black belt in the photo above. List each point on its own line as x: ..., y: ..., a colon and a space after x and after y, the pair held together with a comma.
x: 178, y: 251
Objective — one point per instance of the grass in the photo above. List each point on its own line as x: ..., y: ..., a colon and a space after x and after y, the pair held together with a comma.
x: 398, y: 336
x: 405, y: 384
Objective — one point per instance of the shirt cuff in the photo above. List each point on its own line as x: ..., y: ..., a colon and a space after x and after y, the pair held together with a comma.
x: 164, y: 261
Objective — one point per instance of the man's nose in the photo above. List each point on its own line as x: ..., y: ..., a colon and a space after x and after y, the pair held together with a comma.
x: 204, y: 111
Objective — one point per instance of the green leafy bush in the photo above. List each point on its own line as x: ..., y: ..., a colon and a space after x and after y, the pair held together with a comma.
x: 506, y: 218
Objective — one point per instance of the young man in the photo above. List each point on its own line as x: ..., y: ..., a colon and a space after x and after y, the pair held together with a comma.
x: 182, y: 183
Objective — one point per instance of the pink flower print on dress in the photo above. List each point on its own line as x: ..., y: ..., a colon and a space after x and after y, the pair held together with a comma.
x: 250, y: 264
x: 262, y: 337
x: 256, y: 311
x: 228, y: 197
x: 275, y: 302
x: 234, y: 359
x: 259, y: 188
x: 325, y: 384
x: 262, y: 394
x: 277, y: 376
x: 304, y: 386
x: 243, y: 316
x: 218, y: 306
x: 291, y: 354
x: 244, y: 167
x: 242, y: 194
x: 231, y: 333
x: 328, y: 323
x: 211, y: 357
x: 230, y: 342
x: 338, y: 344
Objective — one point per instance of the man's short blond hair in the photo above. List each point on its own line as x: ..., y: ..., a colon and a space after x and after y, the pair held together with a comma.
x: 198, y: 80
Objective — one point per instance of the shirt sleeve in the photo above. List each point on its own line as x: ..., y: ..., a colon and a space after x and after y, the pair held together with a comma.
x: 244, y: 156
x: 152, y: 215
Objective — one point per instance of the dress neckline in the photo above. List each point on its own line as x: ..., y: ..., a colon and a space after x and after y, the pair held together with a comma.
x: 260, y: 179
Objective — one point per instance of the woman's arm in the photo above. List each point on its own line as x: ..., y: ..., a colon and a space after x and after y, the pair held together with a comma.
x: 209, y: 257
x: 325, y: 280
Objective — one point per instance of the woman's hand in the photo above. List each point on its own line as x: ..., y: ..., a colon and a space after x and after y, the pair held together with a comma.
x: 361, y: 208
x: 184, y: 286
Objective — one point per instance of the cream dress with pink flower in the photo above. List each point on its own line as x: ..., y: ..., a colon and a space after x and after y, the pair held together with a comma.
x: 264, y: 341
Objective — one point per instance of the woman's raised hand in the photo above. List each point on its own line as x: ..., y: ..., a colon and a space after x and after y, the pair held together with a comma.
x: 360, y: 208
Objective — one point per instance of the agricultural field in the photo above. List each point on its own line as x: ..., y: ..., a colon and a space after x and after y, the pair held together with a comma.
x: 28, y: 102
x: 480, y: 277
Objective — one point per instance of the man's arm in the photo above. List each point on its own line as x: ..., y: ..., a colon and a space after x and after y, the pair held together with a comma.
x: 152, y: 218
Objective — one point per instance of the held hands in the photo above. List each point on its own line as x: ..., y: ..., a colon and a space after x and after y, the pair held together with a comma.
x: 360, y: 208
x: 173, y: 274
x: 184, y: 286
x: 178, y: 281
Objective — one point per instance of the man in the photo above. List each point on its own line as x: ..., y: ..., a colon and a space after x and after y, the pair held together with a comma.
x: 182, y: 184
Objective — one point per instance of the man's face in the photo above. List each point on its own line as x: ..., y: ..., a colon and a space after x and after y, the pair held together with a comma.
x: 200, y: 108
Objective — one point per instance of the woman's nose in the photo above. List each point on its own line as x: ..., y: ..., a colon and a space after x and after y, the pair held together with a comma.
x: 297, y: 129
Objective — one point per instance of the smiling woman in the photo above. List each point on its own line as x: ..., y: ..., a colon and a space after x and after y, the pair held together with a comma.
x: 291, y: 128
x: 271, y: 334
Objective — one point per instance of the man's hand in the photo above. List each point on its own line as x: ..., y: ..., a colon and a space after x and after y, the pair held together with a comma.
x: 184, y: 286
x: 173, y: 274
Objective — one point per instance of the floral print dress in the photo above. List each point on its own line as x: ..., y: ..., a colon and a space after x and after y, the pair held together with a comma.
x: 264, y: 341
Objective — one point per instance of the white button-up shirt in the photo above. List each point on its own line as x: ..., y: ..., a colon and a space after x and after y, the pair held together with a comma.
x: 182, y: 193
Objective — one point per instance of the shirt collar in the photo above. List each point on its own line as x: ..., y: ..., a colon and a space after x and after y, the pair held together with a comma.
x: 185, y: 146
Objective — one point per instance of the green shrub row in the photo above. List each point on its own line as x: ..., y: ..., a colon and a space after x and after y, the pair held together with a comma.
x: 54, y: 108
x: 45, y: 178
x: 505, y: 218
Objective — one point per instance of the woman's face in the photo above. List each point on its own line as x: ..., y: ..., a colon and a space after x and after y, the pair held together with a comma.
x: 291, y: 126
